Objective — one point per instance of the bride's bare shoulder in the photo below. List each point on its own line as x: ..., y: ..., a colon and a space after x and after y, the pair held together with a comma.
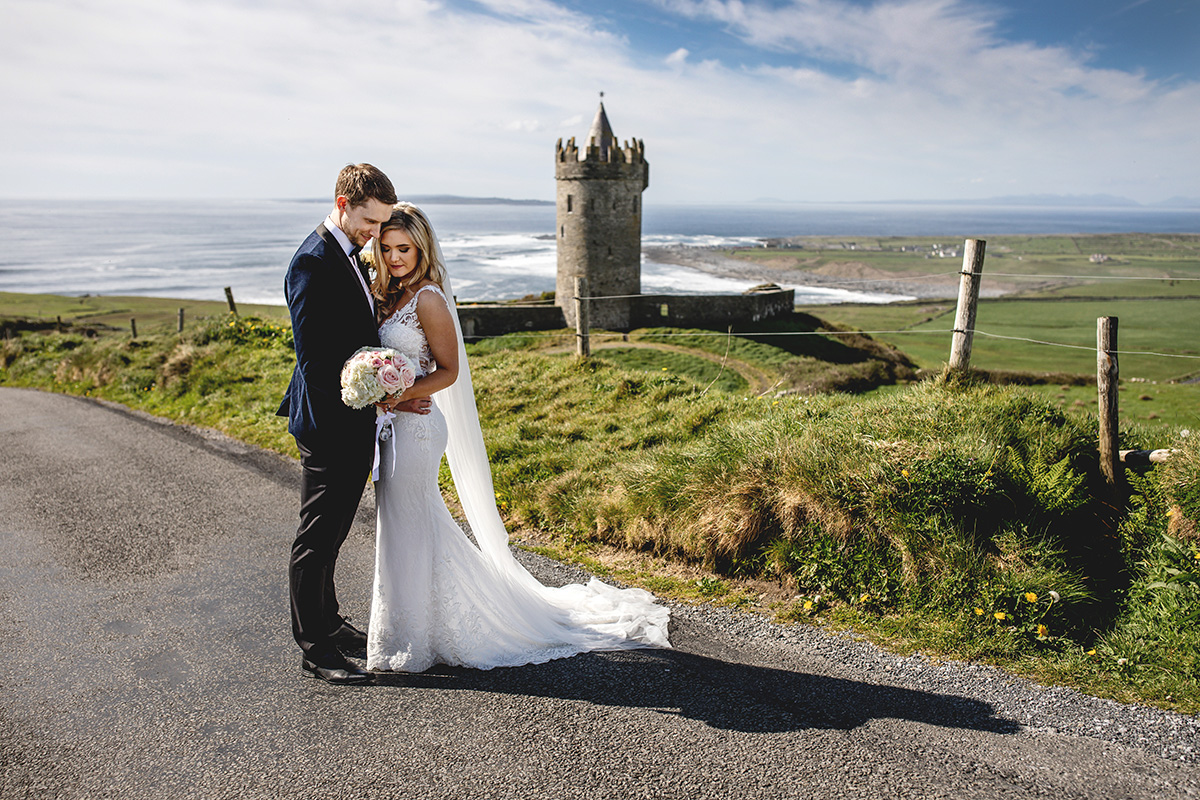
x: 419, y: 288
x: 434, y: 299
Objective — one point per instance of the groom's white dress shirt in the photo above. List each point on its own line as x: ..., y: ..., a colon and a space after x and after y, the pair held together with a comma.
x: 344, y: 241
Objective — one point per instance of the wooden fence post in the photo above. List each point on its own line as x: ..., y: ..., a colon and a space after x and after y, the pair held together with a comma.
x: 133, y: 326
x: 1107, y: 376
x: 583, y: 346
x: 229, y: 299
x: 181, y: 320
x: 968, y: 301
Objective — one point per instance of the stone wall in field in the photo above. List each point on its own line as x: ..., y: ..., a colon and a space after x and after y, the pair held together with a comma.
x: 716, y: 311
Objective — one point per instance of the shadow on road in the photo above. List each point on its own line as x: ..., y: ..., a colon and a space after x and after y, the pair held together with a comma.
x: 725, y: 695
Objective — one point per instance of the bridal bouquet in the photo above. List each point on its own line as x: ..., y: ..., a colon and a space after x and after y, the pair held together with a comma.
x: 373, y: 373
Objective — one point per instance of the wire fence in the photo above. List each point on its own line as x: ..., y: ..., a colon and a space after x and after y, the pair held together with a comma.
x: 911, y: 332
x: 693, y: 334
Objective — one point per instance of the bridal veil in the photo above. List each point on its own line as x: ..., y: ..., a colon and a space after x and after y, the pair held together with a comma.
x: 612, y: 618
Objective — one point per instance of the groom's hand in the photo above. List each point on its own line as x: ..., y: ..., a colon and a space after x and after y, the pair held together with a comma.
x: 417, y: 405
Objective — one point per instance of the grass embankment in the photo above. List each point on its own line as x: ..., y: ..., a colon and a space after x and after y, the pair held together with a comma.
x: 798, y: 354
x: 962, y: 520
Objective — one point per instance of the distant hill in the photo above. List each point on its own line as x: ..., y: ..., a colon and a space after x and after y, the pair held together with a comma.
x: 457, y: 200
x: 1074, y: 200
x: 1178, y: 202
x: 1064, y: 200
x: 1077, y: 200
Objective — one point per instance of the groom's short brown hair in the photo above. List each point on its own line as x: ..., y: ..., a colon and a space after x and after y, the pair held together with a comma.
x: 359, y: 183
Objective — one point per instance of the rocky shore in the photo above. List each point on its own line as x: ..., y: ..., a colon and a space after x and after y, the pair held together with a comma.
x: 940, y: 282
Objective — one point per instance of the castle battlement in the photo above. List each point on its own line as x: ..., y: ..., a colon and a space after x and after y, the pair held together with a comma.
x: 606, y: 161
x: 609, y: 152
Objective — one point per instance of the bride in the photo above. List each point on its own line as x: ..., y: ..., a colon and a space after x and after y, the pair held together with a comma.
x: 437, y: 598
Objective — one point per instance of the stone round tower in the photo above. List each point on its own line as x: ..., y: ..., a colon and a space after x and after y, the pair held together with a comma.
x: 599, y: 216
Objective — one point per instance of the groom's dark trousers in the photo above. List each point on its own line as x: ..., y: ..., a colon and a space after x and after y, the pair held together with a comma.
x: 331, y: 318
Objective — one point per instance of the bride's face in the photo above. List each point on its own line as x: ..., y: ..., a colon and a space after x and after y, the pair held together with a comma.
x: 399, y: 253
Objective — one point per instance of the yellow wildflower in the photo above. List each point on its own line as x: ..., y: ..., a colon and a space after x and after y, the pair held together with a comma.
x: 808, y: 605
x: 904, y: 472
x: 1000, y: 615
x: 1043, y: 631
x: 1031, y: 597
x: 979, y: 612
x: 1091, y: 652
x: 865, y: 597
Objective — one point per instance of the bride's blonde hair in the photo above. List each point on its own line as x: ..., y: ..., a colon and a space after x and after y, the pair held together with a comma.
x: 389, y: 290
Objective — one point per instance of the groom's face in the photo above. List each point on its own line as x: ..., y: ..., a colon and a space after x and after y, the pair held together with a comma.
x: 361, y: 223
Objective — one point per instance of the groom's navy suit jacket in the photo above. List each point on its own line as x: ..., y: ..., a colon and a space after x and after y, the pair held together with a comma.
x: 331, y: 318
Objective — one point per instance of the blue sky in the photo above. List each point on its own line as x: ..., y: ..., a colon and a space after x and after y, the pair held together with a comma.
x: 736, y: 100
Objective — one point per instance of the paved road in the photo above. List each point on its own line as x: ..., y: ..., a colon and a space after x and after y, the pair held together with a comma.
x: 147, y: 654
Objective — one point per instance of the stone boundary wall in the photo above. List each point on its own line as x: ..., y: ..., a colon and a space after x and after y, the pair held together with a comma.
x: 496, y: 320
x: 646, y: 311
x: 709, y: 310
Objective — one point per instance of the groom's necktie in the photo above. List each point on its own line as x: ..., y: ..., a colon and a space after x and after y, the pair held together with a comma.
x: 362, y: 270
x: 358, y: 264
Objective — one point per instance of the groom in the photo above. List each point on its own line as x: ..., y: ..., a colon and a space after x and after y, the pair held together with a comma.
x: 333, y: 314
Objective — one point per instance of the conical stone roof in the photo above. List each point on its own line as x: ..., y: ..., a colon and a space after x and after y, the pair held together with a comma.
x: 601, y: 134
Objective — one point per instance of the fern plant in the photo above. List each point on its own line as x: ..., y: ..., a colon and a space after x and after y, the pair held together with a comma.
x: 1056, y: 487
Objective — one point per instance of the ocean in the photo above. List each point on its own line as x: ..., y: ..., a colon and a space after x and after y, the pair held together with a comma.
x: 194, y: 248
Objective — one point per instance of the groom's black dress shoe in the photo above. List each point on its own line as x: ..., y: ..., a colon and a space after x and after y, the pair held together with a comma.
x: 334, y: 668
x: 347, y: 637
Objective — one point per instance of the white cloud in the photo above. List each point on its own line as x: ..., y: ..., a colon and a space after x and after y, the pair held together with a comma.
x: 677, y: 59
x: 909, y: 98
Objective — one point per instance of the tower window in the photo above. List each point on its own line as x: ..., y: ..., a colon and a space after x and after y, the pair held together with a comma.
x: 635, y: 204
x: 570, y: 204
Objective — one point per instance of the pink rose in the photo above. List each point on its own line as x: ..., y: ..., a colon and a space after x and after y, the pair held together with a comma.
x: 376, y: 363
x: 408, y: 372
x: 391, y: 379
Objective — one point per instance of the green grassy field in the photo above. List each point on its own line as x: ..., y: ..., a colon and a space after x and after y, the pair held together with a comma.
x: 1048, y: 325
x: 154, y: 315
x: 1169, y: 326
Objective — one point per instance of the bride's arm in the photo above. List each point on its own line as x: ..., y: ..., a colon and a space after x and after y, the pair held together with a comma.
x: 434, y: 315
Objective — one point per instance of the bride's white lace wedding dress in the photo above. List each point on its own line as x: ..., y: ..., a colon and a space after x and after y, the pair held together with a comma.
x: 439, y: 599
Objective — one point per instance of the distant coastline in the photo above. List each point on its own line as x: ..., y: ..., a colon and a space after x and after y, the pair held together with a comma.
x: 446, y: 200
x: 1064, y: 201
x: 1026, y: 200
